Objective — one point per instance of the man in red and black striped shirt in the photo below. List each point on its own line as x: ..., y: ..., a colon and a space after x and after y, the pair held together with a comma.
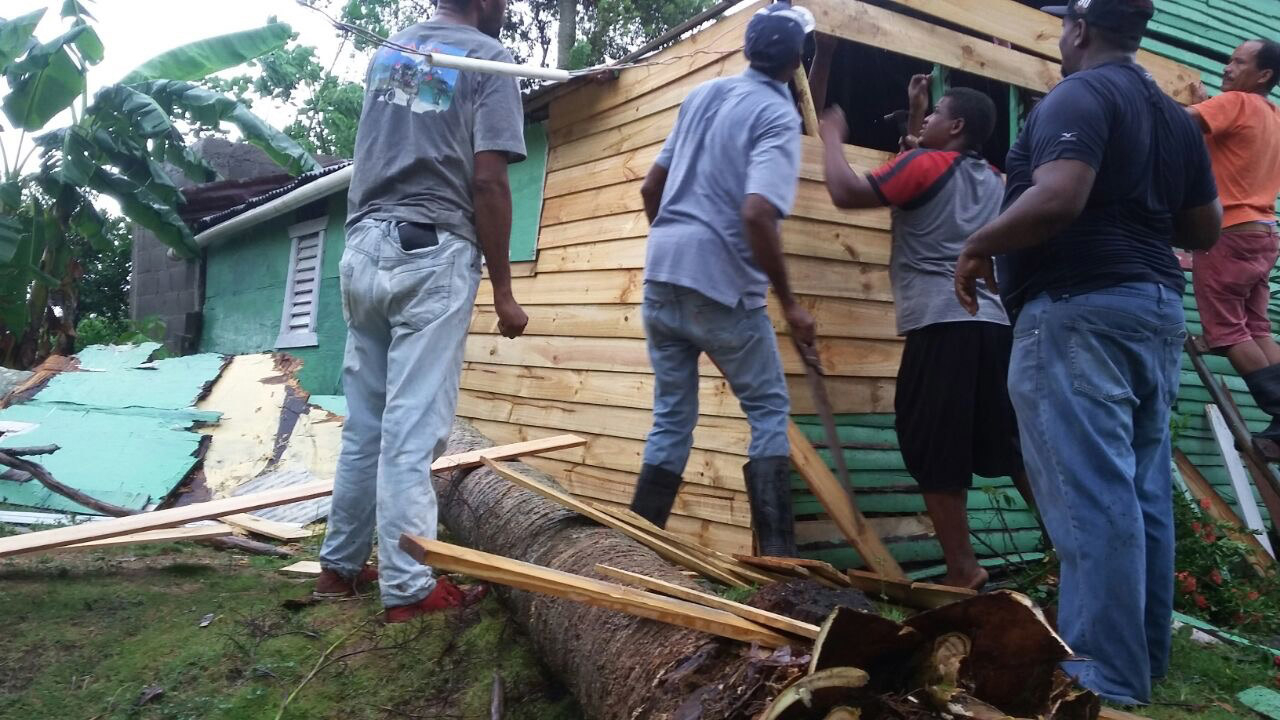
x: 953, y: 414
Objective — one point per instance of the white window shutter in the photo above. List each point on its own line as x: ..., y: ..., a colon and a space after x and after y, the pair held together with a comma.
x: 302, y: 289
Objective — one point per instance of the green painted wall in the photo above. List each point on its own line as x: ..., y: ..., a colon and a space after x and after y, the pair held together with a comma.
x: 244, y: 296
x: 527, y: 180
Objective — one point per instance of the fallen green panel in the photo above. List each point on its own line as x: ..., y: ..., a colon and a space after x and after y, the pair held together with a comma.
x: 336, y: 404
x: 130, y: 460
x: 115, y: 357
x: 992, y: 544
x: 1214, y: 630
x: 1261, y: 700
x: 527, y: 180
x: 171, y: 384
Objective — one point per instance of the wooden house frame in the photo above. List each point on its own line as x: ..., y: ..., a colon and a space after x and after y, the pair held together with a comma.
x: 582, y: 366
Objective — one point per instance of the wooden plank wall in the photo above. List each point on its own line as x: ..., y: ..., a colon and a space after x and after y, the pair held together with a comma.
x: 583, y: 367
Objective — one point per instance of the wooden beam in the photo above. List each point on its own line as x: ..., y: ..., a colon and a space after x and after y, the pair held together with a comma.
x: 726, y: 562
x: 1219, y: 510
x: 838, y: 502
x: 808, y: 110
x: 1029, y: 28
x: 197, y: 532
x: 1239, y: 479
x: 526, y: 576
x: 768, y: 619
x: 919, y: 595
x: 880, y: 28
x: 267, y: 528
x: 58, y: 537
x: 663, y: 549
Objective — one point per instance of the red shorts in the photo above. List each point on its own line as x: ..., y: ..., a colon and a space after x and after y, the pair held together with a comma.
x: 1232, y: 287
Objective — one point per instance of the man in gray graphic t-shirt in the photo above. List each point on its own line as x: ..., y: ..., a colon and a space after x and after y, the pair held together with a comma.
x: 428, y: 196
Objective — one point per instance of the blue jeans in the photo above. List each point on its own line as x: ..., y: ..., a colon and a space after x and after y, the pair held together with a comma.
x: 407, y: 315
x: 681, y: 324
x: 1093, y: 378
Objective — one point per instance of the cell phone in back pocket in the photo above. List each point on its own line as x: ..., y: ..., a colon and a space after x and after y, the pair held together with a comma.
x: 417, y: 236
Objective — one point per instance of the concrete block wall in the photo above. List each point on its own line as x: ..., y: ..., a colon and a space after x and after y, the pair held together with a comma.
x: 173, y: 290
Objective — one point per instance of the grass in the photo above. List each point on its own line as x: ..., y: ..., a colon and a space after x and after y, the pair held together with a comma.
x: 1204, y: 680
x: 86, y: 633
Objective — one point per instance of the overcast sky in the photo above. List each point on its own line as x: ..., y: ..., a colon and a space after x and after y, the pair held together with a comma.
x: 133, y: 31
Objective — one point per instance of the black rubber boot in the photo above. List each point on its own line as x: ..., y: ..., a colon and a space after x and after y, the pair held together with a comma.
x: 655, y: 494
x: 1264, y: 385
x: 769, y: 490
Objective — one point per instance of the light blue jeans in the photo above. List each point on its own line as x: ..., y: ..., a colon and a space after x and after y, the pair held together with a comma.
x: 1093, y: 378
x: 407, y: 315
x: 681, y: 324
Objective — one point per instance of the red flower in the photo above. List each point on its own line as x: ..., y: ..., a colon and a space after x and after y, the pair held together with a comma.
x: 1210, y: 535
x: 1204, y: 503
x: 1188, y: 582
x: 1276, y: 659
x: 1196, y: 527
x: 1215, y: 577
x: 1201, y: 602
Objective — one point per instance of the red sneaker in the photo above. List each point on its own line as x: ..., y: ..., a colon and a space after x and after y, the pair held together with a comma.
x: 444, y: 596
x: 333, y: 586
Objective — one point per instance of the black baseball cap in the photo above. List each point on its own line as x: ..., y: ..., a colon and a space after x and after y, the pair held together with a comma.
x: 1123, y: 16
x: 776, y: 34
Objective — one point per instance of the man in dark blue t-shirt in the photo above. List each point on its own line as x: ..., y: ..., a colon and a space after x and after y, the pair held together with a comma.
x: 1107, y: 176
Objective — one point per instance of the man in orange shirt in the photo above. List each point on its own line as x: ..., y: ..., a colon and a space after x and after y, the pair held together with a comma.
x: 1242, y: 130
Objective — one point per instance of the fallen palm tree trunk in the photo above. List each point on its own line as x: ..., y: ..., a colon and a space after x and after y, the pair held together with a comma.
x: 616, y: 665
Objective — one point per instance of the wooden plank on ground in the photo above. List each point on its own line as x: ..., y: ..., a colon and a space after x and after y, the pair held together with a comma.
x: 1219, y: 510
x: 768, y: 619
x: 87, y: 532
x: 919, y: 595
x: 662, y: 548
x: 726, y: 562
x: 267, y: 528
x: 1037, y: 31
x: 877, y: 27
x: 302, y: 567
x: 526, y: 576
x: 181, y: 534
x: 838, y: 502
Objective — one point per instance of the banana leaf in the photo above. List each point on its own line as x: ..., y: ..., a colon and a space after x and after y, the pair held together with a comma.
x: 210, y: 109
x: 200, y: 59
x: 16, y: 37
x: 73, y: 8
x: 143, y: 207
x: 44, y: 83
x: 11, y: 232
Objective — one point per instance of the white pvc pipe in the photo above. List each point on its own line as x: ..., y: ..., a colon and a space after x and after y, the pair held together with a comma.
x: 498, y: 68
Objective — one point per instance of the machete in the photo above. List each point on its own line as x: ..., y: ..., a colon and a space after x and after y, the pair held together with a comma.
x: 813, y: 369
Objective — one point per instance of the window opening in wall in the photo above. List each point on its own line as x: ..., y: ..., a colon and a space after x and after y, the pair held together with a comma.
x: 997, y: 146
x: 869, y: 84
x: 302, y: 290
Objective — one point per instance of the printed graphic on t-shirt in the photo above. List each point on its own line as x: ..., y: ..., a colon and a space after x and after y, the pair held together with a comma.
x: 406, y: 79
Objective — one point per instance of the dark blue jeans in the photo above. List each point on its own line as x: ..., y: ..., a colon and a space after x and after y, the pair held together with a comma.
x: 681, y: 324
x: 1093, y: 378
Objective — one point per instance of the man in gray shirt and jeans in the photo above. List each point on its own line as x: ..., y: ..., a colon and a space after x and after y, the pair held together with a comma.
x: 429, y: 194
x: 722, y: 182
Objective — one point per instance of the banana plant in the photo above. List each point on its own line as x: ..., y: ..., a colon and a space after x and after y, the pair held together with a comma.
x: 118, y: 144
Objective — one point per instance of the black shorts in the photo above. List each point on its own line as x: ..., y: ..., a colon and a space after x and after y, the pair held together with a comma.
x: 954, y: 418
